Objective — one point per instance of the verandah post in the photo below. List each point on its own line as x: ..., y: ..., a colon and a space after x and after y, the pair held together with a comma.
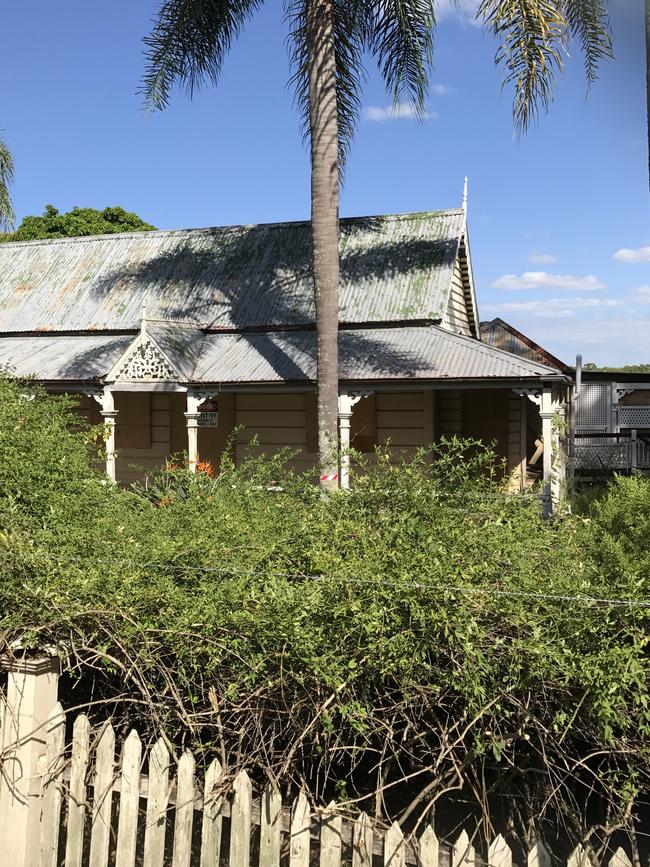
x: 192, y: 420
x: 109, y: 415
x: 546, y: 413
x: 32, y: 689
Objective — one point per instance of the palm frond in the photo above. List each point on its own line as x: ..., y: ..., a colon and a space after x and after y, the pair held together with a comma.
x: 534, y: 36
x: 7, y: 216
x: 188, y: 43
x: 589, y: 23
x: 401, y: 39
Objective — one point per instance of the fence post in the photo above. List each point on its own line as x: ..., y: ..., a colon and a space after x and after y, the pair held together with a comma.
x: 634, y: 444
x: 32, y: 689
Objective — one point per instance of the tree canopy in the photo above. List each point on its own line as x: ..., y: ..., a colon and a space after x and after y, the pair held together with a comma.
x: 626, y: 368
x: 77, y: 222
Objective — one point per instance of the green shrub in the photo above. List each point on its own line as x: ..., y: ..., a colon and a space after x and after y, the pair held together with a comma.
x: 423, y: 629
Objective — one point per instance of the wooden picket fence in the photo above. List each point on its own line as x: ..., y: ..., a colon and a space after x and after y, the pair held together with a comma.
x: 93, y: 814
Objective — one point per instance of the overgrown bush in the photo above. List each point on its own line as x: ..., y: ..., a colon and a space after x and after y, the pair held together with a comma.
x: 419, y: 635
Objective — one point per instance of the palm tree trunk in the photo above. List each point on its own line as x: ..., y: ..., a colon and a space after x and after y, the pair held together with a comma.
x: 323, y: 125
x: 647, y: 74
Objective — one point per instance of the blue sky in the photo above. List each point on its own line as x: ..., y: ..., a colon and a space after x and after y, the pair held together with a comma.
x: 559, y: 220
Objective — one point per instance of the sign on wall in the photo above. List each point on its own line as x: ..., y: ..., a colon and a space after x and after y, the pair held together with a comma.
x: 209, y: 416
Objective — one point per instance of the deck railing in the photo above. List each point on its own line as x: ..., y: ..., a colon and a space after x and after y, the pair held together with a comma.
x: 607, y: 452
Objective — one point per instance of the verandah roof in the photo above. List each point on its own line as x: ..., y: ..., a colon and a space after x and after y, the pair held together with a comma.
x: 392, y: 354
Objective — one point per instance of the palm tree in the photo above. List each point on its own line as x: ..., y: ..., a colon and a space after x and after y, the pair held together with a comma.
x: 188, y: 44
x: 647, y: 75
x: 190, y: 39
x: 7, y: 216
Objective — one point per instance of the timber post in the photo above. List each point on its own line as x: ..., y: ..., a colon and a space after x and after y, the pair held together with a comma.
x: 192, y: 417
x: 346, y: 403
x: 32, y: 694
x: 109, y: 415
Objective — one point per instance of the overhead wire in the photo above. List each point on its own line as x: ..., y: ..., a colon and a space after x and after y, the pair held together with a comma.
x: 348, y: 579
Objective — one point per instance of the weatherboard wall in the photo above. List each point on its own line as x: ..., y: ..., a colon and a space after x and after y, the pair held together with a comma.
x: 151, y: 426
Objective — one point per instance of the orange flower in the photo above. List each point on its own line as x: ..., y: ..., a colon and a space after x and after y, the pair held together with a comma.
x: 165, y: 501
x: 205, y: 467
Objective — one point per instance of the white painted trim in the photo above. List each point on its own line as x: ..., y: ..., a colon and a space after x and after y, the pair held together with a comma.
x: 142, y: 339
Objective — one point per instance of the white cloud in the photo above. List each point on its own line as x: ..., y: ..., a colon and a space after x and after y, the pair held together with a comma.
x: 399, y: 111
x: 641, y: 254
x: 541, y: 258
x: 462, y: 10
x: 643, y: 293
x: 539, y: 279
x: 553, y: 308
x: 442, y: 89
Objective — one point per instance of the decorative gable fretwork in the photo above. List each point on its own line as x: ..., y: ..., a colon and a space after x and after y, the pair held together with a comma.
x: 145, y: 363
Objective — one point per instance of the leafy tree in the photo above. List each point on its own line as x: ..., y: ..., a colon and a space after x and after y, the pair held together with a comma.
x: 190, y: 39
x: 77, y: 222
x: 6, y: 177
x: 626, y: 368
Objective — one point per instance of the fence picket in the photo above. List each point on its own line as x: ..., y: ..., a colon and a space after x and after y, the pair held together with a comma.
x: 620, y: 859
x: 394, y: 850
x: 103, y: 787
x: 184, y: 811
x: 362, y: 842
x: 127, y: 829
x: 52, y: 796
x: 154, y: 835
x: 429, y: 848
x: 299, y: 846
x: 240, y: 820
x: 499, y: 854
x: 270, y: 813
x: 331, y: 828
x: 538, y: 856
x: 77, y: 794
x: 211, y: 827
x: 463, y: 852
x: 578, y: 858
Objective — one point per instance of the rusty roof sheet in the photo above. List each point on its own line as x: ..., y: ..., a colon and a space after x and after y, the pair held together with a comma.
x: 503, y: 335
x: 390, y: 354
x: 393, y: 268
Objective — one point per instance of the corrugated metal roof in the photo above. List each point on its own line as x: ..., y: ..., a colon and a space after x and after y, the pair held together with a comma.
x: 83, y: 357
x: 364, y: 354
x: 180, y: 342
x: 501, y: 334
x: 427, y: 353
x: 393, y: 268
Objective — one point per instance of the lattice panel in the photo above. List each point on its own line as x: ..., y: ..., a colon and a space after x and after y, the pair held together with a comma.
x: 593, y: 407
x: 634, y: 416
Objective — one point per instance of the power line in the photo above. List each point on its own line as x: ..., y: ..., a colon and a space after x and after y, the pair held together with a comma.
x: 416, y: 585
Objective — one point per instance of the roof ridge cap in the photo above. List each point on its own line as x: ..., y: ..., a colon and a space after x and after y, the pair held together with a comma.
x: 236, y: 227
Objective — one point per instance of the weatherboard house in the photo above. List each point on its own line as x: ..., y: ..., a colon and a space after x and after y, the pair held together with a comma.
x: 174, y: 338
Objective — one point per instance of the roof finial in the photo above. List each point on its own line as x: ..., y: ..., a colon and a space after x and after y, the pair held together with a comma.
x: 465, y: 195
x: 143, y: 324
